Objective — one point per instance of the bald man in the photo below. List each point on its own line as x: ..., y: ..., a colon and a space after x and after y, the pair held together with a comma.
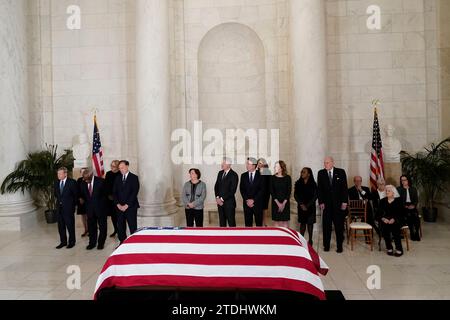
x: 333, y: 200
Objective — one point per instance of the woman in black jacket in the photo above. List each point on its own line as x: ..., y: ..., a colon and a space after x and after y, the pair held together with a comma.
x: 391, y: 215
x: 305, y: 193
x: 410, y: 199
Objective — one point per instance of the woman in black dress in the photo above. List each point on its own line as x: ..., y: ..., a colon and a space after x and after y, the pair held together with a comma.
x: 280, y: 190
x: 264, y: 170
x: 81, y: 208
x: 305, y: 193
x: 391, y: 214
x: 410, y: 199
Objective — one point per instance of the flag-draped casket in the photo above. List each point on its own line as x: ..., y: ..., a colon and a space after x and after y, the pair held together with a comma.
x: 215, y: 258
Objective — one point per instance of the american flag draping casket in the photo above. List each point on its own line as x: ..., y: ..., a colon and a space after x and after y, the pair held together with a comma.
x: 215, y: 258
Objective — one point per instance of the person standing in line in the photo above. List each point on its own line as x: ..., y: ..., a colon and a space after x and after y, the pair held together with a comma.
x: 225, y: 190
x: 66, y: 194
x: 93, y: 192
x: 333, y: 201
x: 126, y: 190
x: 305, y: 193
x: 252, y: 191
x: 280, y: 190
x: 193, y: 197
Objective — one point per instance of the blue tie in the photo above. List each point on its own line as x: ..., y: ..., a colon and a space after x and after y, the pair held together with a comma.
x: 61, y: 188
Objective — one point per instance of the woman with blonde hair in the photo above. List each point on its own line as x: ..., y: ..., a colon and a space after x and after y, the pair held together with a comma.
x: 280, y: 190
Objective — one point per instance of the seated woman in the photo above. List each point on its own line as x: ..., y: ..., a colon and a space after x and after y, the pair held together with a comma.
x: 193, y: 197
x: 410, y: 198
x: 391, y: 215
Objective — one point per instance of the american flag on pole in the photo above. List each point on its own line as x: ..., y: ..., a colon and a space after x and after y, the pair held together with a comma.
x: 215, y: 259
x: 376, y: 158
x: 97, y: 152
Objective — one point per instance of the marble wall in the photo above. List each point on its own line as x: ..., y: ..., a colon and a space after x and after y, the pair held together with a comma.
x: 263, y: 24
x: 82, y: 70
x: 74, y: 71
x: 444, y: 58
x: 396, y: 64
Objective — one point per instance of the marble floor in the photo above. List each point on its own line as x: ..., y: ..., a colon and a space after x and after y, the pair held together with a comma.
x: 30, y: 267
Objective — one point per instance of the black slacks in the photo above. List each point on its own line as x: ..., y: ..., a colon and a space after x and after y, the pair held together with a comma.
x: 227, y: 215
x: 337, y: 218
x: 192, y: 216
x: 394, y: 229
x: 255, y: 212
x: 96, y: 223
x: 66, y: 221
x: 123, y: 218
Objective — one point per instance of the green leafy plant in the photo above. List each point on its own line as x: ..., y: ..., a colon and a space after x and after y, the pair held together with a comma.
x: 37, y: 173
x: 429, y: 170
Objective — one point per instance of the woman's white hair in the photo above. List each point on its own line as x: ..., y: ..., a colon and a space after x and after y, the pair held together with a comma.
x: 394, y: 190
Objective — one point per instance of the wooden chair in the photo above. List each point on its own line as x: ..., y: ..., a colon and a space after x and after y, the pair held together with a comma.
x: 404, y: 232
x: 356, y: 221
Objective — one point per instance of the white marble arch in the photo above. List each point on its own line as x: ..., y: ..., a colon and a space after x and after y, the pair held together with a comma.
x: 231, y: 86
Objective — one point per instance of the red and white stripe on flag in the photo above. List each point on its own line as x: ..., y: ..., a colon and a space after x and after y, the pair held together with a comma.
x: 97, y: 152
x: 376, y: 157
x: 215, y: 258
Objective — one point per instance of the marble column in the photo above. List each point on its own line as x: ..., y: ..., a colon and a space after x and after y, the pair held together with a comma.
x: 16, y: 210
x: 309, y: 83
x: 153, y: 114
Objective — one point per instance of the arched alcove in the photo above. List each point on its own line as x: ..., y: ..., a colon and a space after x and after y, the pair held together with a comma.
x: 231, y: 73
x: 232, y: 84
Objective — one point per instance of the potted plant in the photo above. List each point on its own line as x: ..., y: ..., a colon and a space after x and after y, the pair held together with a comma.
x: 430, y: 171
x: 37, y: 174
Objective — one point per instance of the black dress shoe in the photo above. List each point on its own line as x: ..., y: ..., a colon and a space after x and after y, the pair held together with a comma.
x: 70, y: 246
x: 62, y: 245
x: 326, y: 249
x: 398, y: 253
x: 100, y: 247
x: 90, y: 247
x: 113, y: 234
x: 339, y: 250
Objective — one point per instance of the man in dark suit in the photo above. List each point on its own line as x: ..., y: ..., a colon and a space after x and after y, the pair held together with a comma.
x: 333, y: 200
x: 225, y: 190
x: 360, y: 192
x: 126, y: 189
x: 110, y: 179
x: 93, y: 192
x: 66, y: 193
x: 252, y: 191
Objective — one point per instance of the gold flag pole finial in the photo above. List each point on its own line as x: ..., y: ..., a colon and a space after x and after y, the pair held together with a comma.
x: 376, y: 103
x: 95, y: 110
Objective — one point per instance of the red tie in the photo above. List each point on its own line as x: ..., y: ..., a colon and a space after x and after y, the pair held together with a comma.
x: 90, y: 189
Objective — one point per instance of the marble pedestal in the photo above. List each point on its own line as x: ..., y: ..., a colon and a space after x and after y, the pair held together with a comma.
x: 392, y: 173
x: 19, y: 216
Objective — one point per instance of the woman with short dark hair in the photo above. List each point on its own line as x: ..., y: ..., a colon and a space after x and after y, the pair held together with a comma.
x: 305, y: 193
x: 193, y: 197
